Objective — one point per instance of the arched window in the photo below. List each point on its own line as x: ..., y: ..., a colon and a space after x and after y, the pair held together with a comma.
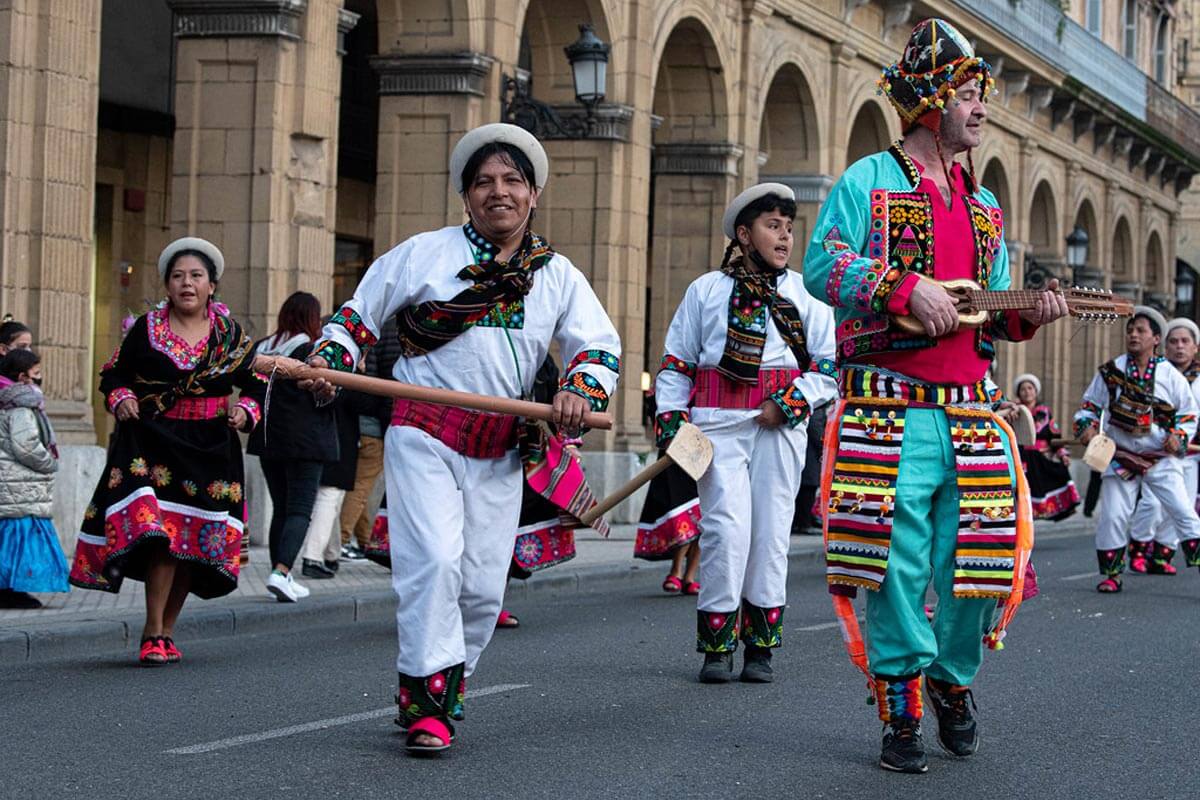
x: 1162, y: 48
x: 1129, y: 25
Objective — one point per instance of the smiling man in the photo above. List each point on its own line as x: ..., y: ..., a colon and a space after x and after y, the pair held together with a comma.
x: 922, y: 486
x: 477, y: 307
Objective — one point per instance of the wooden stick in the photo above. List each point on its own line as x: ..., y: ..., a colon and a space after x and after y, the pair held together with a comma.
x: 631, y: 486
x: 297, y: 370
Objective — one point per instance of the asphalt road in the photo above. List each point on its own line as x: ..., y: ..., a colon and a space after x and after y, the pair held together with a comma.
x: 595, y: 696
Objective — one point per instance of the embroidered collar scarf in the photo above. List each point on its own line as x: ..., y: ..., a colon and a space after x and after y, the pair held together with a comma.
x: 427, y: 326
x: 754, y: 296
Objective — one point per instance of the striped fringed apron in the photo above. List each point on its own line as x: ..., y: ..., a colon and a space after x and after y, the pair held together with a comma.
x: 863, y: 444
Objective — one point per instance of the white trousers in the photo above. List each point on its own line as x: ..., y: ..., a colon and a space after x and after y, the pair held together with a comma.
x: 323, y: 542
x: 1149, y: 523
x: 747, y: 499
x: 1165, y: 482
x: 452, y: 522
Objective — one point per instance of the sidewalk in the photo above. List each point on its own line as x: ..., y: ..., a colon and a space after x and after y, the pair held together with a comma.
x: 86, y: 623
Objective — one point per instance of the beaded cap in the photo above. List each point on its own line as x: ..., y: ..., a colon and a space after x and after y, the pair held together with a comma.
x: 936, y: 61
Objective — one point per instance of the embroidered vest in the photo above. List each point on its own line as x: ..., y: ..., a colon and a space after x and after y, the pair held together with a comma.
x: 902, y: 236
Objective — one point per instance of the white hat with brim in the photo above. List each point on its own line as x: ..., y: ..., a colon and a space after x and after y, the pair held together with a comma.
x: 1154, y: 314
x: 191, y: 243
x: 755, y: 192
x: 518, y: 137
x: 1028, y: 377
x: 1184, y: 322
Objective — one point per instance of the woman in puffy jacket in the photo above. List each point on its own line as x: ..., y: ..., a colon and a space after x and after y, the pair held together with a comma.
x: 31, y: 559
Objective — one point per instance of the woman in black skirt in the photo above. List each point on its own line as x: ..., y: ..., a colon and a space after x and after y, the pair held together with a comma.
x: 1051, y: 489
x: 169, y: 509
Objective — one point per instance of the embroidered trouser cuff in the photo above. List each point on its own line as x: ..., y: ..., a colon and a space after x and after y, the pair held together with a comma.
x: 1112, y: 562
x: 438, y: 695
x: 1191, y: 551
x: 898, y: 697
x: 716, y: 631
x: 762, y: 627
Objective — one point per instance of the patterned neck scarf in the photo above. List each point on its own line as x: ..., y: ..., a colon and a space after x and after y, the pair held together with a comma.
x: 427, y: 326
x: 754, y: 296
x: 228, y: 350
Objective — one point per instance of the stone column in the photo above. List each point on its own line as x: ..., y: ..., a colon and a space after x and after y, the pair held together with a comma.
x: 255, y: 162
x: 49, y: 89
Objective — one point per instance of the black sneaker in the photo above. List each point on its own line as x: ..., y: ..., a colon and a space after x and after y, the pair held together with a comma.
x: 757, y: 665
x: 23, y: 600
x: 315, y: 570
x: 352, y: 553
x: 332, y: 566
x: 903, y: 750
x: 718, y: 668
x: 958, y: 734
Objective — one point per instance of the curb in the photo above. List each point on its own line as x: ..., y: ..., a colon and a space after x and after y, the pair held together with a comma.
x: 84, y: 638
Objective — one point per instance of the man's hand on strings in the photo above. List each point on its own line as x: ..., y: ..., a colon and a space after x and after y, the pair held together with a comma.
x: 1050, y: 306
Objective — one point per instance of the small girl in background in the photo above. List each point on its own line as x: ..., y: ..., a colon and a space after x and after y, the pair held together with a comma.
x: 31, y: 559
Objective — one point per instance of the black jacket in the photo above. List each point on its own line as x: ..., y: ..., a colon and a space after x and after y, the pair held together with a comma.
x: 293, y: 426
x: 346, y: 410
x: 380, y: 360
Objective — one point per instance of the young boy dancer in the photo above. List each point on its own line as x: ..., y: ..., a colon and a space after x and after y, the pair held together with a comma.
x: 750, y: 385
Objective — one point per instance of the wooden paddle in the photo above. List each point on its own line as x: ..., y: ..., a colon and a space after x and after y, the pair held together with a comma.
x: 290, y: 368
x: 689, y: 449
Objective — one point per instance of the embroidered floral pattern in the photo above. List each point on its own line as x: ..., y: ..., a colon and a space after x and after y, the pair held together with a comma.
x: 762, y: 627
x: 161, y: 475
x: 212, y: 539
x: 601, y: 357
x: 190, y: 488
x: 138, y: 467
x: 349, y: 319
x: 528, y: 549
x: 716, y: 632
x: 438, y: 695
x: 666, y: 425
x: 118, y: 396
x: 825, y: 366
x: 505, y: 315
x: 115, y: 477
x: 791, y: 401
x: 675, y: 364
x: 335, y: 355
x: 90, y: 511
x: 172, y: 345
x: 252, y: 408
x: 587, y: 387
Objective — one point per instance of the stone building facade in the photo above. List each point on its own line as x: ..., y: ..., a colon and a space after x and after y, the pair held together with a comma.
x: 306, y: 137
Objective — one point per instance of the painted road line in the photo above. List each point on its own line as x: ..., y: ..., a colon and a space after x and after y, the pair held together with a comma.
x: 1081, y: 576
x: 292, y: 730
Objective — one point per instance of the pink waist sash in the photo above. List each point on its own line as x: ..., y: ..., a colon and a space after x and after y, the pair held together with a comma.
x: 471, y: 433
x: 714, y: 390
x: 194, y: 408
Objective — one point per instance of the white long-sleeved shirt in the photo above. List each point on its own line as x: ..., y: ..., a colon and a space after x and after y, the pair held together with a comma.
x: 701, y: 323
x: 1169, y: 386
x: 560, y: 307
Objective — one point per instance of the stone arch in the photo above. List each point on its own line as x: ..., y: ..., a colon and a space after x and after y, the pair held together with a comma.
x: 417, y: 26
x: 994, y: 178
x: 1045, y: 237
x: 869, y: 133
x: 788, y: 134
x: 690, y: 92
x: 1156, y: 267
x: 1122, y: 263
x: 549, y: 26
x: 1085, y: 217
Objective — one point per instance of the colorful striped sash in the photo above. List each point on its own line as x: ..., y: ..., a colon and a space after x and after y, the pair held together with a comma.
x: 471, y: 433
x: 198, y: 408
x: 860, y: 493
x: 714, y: 390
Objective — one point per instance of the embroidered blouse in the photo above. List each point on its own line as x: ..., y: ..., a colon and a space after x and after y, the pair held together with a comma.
x: 499, y: 355
x: 1171, y: 411
x: 882, y: 226
x: 696, y: 340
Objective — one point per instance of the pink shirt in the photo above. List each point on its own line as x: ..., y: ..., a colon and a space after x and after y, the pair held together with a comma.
x: 953, y: 359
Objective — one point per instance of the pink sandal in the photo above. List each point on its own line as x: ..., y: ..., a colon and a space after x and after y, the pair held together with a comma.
x: 672, y: 585
x: 507, y: 620
x: 691, y: 587
x: 1109, y: 586
x: 429, y: 726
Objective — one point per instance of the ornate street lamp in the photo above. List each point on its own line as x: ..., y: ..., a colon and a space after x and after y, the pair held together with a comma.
x: 588, y: 57
x: 1077, y: 249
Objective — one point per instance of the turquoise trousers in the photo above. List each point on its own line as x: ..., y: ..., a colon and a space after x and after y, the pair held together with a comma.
x: 901, y: 641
